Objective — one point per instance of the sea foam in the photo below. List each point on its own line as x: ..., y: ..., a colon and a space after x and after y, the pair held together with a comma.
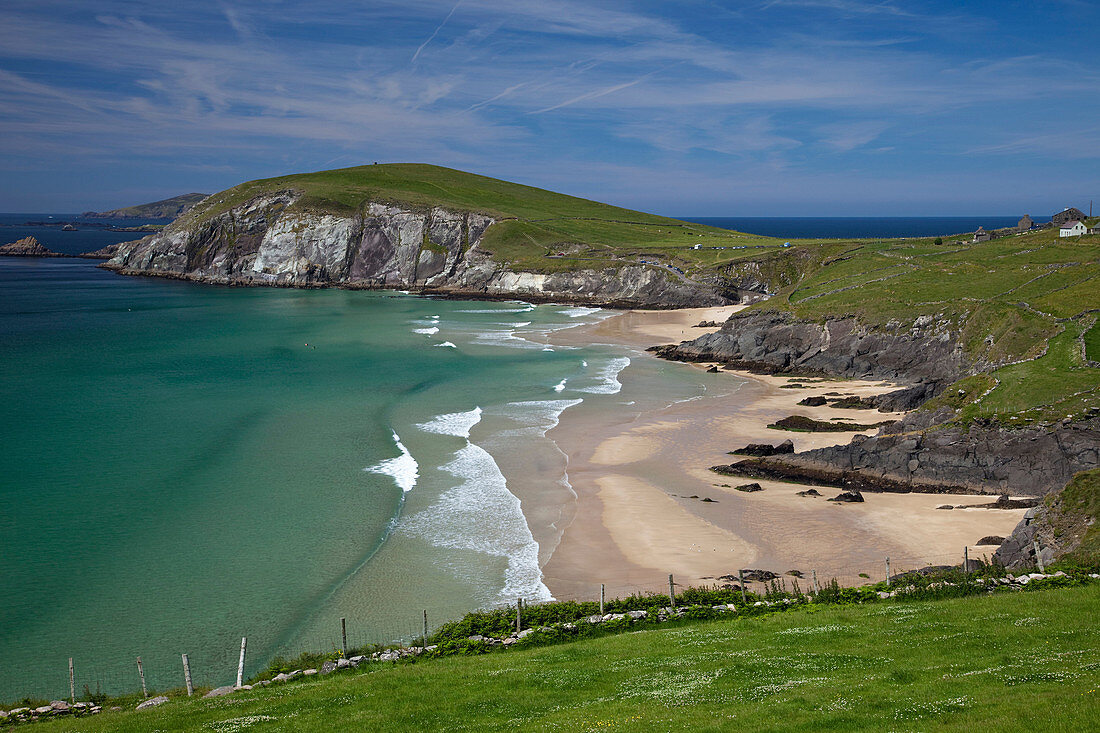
x: 427, y: 331
x: 537, y: 416
x: 458, y: 424
x: 448, y: 345
x: 578, y: 312
x: 481, y: 514
x: 609, y: 376
x: 403, y: 469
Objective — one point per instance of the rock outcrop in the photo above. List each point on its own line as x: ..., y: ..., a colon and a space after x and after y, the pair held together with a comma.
x: 267, y: 242
x: 982, y: 459
x: 925, y: 354
x: 27, y: 247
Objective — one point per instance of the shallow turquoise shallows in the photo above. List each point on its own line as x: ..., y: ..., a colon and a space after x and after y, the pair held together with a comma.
x: 183, y: 465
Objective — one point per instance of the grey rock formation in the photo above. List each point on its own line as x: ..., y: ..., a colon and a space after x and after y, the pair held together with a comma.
x: 985, y: 458
x: 924, y: 352
x: 220, y: 691
x: 261, y: 242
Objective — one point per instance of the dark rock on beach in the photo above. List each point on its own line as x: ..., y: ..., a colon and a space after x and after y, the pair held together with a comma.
x: 805, y: 424
x: 990, y: 540
x: 765, y: 449
x: 749, y: 487
x: 914, y: 454
x: 848, y: 497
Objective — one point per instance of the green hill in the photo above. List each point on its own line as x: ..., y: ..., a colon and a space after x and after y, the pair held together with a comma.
x: 536, y: 230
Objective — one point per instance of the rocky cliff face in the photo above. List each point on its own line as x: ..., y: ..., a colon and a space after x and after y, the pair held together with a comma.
x: 263, y: 242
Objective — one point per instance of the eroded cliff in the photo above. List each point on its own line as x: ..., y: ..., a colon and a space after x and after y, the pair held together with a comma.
x: 270, y: 241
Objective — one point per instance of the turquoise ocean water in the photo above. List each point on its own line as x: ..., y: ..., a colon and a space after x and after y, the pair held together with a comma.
x: 184, y: 465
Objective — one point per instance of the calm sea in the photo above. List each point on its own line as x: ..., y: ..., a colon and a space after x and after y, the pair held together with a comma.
x: 858, y: 227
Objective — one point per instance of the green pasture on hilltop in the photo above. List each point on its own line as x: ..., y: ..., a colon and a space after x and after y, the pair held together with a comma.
x: 536, y: 229
x: 1009, y: 661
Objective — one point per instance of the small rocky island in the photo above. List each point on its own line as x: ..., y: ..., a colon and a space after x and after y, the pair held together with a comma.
x: 27, y: 247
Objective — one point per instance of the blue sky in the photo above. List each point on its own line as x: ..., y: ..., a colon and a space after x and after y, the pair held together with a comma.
x: 770, y: 108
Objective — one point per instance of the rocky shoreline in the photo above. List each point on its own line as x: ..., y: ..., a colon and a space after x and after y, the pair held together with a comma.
x: 924, y: 451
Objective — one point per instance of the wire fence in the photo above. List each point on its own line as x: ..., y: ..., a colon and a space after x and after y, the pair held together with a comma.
x: 214, y: 662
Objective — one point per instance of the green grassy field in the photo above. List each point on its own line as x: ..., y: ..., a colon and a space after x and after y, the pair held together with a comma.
x: 1014, y: 661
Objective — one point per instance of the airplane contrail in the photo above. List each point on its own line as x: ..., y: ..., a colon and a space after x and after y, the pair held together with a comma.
x: 435, y: 32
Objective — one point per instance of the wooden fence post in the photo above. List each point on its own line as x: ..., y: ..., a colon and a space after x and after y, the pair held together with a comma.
x: 425, y: 642
x: 887, y: 572
x: 519, y: 618
x: 72, y: 683
x: 141, y: 673
x: 187, y: 676
x: 817, y: 589
x: 741, y: 580
x: 1038, y: 556
x: 344, y: 635
x: 602, y: 590
x: 671, y: 593
x: 240, y: 664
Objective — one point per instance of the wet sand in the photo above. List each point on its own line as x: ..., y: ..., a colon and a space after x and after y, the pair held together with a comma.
x: 635, y: 519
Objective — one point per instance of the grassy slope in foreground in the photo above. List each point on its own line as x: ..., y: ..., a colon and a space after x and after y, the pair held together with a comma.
x: 534, y: 225
x: 1021, y: 661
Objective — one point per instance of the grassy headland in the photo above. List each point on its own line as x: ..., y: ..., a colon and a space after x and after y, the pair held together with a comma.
x: 537, y: 230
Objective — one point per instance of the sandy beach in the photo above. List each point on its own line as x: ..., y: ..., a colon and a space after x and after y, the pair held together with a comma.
x: 641, y: 480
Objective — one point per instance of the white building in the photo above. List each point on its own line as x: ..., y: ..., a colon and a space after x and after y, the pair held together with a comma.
x: 1072, y: 229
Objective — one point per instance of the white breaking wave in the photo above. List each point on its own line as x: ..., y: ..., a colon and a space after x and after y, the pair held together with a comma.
x: 524, y: 309
x: 458, y: 424
x: 403, y: 469
x: 560, y: 385
x: 448, y: 344
x: 426, y: 331
x: 538, y: 416
x: 579, y: 311
x: 481, y: 514
x: 521, y: 324
x: 609, y: 376
x: 504, y: 338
